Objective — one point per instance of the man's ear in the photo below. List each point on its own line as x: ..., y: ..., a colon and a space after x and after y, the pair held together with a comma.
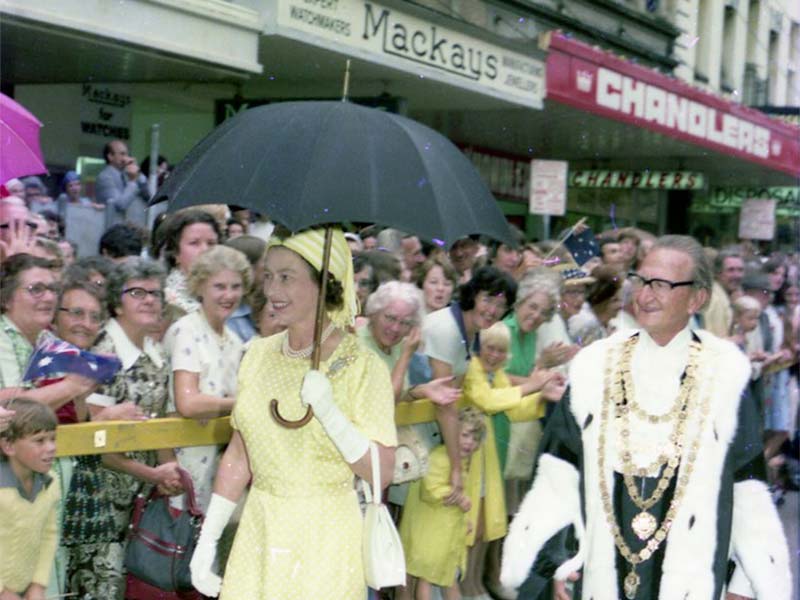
x: 698, y: 300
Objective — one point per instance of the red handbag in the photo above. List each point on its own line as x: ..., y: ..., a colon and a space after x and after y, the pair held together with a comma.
x: 160, y: 546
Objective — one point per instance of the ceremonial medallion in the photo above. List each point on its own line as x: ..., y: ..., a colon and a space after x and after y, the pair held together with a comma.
x: 644, y: 525
x: 631, y: 584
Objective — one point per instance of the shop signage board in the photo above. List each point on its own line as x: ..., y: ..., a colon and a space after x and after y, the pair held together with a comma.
x: 507, y: 175
x: 643, y: 180
x: 105, y: 112
x: 757, y: 219
x: 548, y: 187
x: 600, y: 83
x: 226, y: 108
x: 384, y: 35
x: 726, y: 200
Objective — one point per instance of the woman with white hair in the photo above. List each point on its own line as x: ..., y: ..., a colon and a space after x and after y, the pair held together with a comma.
x: 395, y: 311
x: 538, y: 295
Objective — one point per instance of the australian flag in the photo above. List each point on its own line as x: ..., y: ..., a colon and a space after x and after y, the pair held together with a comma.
x: 582, y: 246
x: 54, y: 358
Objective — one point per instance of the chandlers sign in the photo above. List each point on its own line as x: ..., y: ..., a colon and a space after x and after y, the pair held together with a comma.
x: 645, y: 180
x: 600, y: 83
x: 384, y: 35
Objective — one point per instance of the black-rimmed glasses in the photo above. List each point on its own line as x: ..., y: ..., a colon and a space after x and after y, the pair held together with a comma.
x: 139, y: 293
x: 659, y: 286
x: 37, y: 290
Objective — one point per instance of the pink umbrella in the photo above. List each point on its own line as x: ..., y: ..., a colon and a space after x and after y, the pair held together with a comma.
x: 20, y: 153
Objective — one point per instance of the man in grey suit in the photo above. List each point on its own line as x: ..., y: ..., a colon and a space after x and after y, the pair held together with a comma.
x: 122, y: 187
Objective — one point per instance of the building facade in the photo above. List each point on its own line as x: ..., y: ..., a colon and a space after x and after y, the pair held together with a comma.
x: 485, y: 73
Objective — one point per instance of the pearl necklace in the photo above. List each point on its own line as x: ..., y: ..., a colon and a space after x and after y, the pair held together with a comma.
x: 288, y: 352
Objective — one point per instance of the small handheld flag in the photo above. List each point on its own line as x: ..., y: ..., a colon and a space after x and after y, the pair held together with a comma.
x: 55, y: 358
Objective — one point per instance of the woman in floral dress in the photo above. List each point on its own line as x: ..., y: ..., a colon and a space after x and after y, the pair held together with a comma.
x: 135, y: 297
x: 204, y: 355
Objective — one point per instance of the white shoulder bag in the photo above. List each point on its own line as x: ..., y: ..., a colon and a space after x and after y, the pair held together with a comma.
x: 384, y: 561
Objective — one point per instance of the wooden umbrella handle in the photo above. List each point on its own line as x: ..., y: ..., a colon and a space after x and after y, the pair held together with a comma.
x: 317, y: 353
x: 273, y: 409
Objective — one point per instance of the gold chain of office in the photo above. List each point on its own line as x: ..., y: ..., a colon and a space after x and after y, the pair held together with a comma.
x: 644, y: 523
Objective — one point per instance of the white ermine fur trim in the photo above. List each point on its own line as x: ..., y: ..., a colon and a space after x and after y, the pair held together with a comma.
x: 758, y: 541
x: 567, y: 568
x: 552, y: 503
x: 688, y: 568
x: 688, y: 562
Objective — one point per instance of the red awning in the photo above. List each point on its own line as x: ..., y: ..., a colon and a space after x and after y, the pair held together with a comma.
x: 601, y: 83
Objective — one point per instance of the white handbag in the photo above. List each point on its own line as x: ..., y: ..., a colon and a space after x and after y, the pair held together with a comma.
x: 384, y: 561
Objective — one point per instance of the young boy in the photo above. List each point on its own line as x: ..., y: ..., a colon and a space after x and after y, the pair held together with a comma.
x: 434, y: 534
x: 28, y: 500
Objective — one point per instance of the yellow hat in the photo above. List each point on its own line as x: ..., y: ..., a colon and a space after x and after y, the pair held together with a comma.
x: 310, y: 245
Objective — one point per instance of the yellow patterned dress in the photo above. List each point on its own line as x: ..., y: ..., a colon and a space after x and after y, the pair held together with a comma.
x: 300, y: 533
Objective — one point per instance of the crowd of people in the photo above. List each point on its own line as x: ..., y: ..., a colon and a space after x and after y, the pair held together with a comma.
x: 212, y: 313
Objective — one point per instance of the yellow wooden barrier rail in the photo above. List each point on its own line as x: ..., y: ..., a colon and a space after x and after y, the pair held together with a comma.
x: 101, y: 437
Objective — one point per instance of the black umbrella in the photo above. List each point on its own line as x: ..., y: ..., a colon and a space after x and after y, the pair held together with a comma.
x: 314, y: 163
x: 309, y: 163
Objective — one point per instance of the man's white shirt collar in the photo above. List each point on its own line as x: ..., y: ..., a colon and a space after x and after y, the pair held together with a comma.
x: 677, y: 344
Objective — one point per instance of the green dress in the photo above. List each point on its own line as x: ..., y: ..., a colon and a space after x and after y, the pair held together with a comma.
x: 523, y: 357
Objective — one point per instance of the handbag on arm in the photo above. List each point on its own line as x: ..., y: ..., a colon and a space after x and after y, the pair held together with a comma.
x: 160, y: 546
x: 384, y: 561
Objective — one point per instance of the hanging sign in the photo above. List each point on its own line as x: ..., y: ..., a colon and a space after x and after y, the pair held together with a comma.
x: 548, y: 187
x: 757, y: 219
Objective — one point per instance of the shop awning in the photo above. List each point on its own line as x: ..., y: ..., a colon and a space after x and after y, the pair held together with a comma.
x: 417, y: 53
x: 602, y: 84
x: 57, y: 41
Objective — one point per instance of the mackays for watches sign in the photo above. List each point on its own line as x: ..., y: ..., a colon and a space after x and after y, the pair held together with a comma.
x: 403, y: 41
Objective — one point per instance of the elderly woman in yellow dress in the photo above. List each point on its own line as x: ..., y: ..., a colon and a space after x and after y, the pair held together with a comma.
x: 300, y: 532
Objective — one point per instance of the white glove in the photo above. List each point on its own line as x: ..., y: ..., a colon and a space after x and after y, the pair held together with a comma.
x: 318, y: 394
x: 218, y: 514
